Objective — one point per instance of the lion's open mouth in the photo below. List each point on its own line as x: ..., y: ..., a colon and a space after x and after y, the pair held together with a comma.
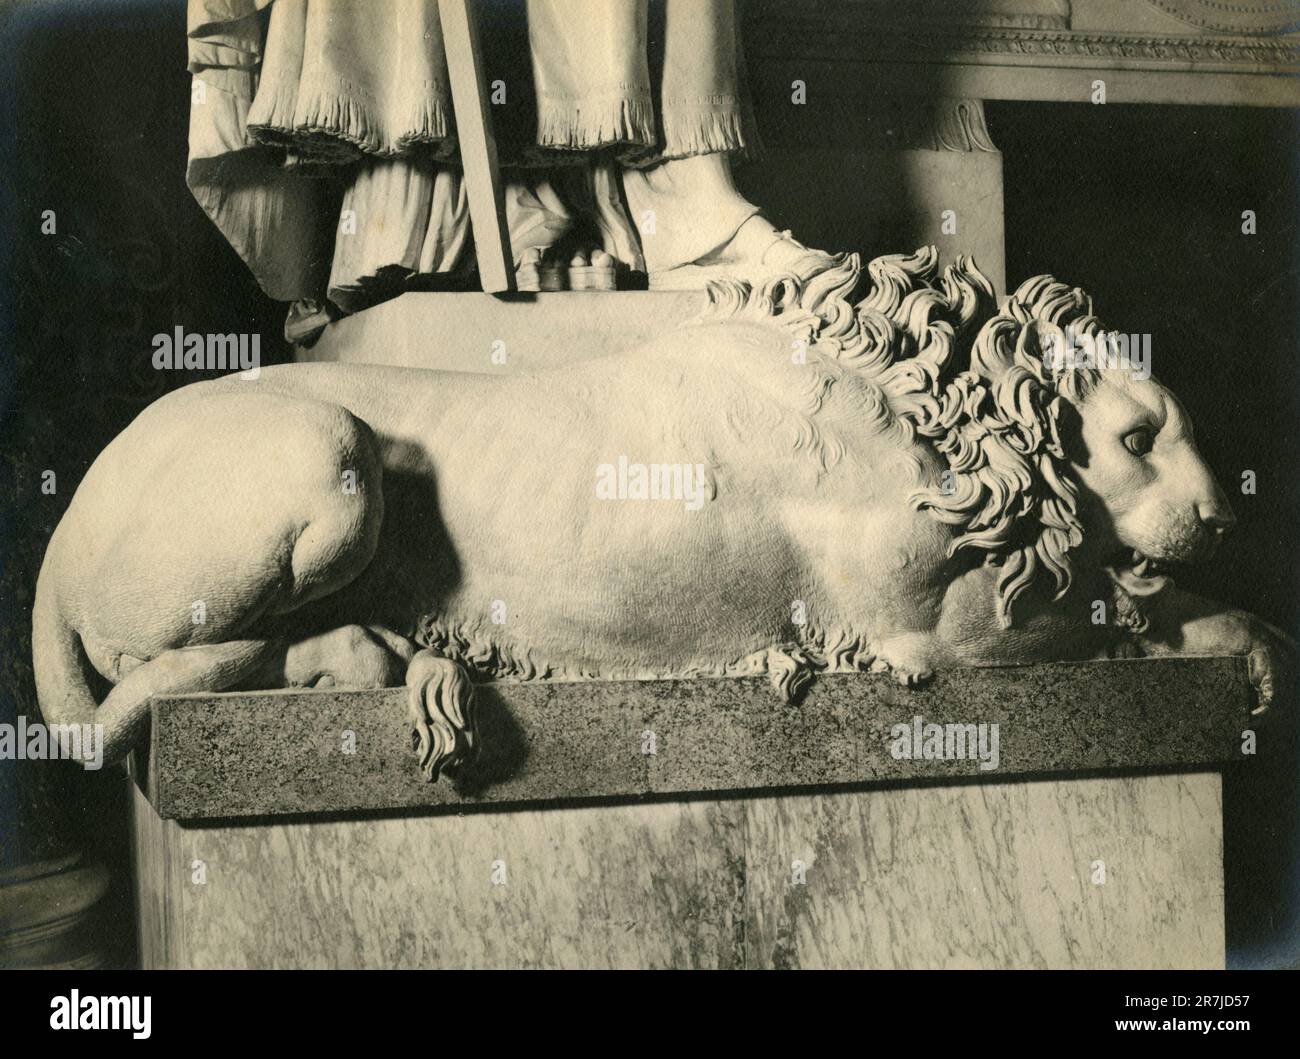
x: 1138, y: 574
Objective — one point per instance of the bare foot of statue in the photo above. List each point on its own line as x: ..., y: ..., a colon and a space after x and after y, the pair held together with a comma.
x: 568, y: 230
x: 538, y: 220
x: 552, y: 268
x: 591, y: 270
x: 537, y: 269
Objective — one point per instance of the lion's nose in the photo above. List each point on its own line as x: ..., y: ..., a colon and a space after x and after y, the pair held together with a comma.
x: 1217, y: 515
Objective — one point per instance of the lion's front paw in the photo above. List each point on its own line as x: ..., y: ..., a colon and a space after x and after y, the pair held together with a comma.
x: 906, y: 658
x: 1271, y: 664
x: 908, y: 677
x: 440, y: 710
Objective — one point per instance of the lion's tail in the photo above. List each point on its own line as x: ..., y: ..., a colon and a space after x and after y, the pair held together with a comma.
x: 62, y: 668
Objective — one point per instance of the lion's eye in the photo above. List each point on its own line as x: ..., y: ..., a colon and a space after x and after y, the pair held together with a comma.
x: 1139, y: 442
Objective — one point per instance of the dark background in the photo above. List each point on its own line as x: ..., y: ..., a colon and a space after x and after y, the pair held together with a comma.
x: 1139, y: 205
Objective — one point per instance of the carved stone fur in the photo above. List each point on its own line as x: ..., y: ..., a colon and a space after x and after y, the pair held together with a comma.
x: 898, y: 482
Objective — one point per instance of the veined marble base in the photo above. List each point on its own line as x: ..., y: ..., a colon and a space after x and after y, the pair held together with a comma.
x: 292, y: 829
x: 977, y: 875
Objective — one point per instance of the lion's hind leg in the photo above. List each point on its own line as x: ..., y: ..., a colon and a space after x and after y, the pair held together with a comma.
x: 178, y: 559
x: 206, y: 667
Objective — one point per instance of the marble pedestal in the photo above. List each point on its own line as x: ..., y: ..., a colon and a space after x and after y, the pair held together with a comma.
x: 502, y: 334
x: 291, y: 829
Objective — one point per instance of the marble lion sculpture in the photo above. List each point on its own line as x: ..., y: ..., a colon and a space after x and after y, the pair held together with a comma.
x: 795, y: 482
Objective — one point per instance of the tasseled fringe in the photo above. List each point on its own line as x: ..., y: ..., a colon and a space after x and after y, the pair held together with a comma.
x: 328, y: 126
x: 690, y: 131
x: 578, y: 126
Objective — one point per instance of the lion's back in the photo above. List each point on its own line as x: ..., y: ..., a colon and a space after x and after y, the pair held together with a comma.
x: 669, y: 503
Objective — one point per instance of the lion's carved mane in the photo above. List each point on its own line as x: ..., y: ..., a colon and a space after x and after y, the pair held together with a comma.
x: 964, y: 376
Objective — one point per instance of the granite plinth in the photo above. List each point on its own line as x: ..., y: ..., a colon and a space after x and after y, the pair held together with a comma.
x: 303, y: 752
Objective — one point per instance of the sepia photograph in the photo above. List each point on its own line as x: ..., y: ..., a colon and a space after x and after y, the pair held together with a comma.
x: 650, y: 485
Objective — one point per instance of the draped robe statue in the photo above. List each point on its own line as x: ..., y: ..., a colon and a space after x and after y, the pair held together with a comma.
x: 322, y: 144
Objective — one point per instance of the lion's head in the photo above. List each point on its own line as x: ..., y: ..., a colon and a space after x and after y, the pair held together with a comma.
x: 1057, y: 441
x: 1115, y: 461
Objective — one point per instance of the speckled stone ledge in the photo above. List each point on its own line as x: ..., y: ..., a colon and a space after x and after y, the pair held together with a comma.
x: 310, y: 752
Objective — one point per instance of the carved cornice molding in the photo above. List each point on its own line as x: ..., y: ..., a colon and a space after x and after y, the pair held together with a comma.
x: 898, y: 42
x: 1022, y: 14
x: 1056, y: 45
